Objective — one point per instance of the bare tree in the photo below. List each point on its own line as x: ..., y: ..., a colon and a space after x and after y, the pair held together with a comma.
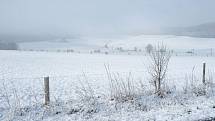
x: 149, y: 48
x: 160, y: 57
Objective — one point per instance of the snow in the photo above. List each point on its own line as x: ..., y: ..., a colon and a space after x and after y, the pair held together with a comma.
x: 86, y: 44
x: 22, y: 72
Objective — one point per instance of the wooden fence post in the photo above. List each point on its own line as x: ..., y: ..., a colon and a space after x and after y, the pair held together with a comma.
x: 203, y: 76
x: 47, y: 96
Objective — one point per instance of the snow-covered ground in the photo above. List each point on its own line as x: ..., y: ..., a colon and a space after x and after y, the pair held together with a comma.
x: 22, y: 72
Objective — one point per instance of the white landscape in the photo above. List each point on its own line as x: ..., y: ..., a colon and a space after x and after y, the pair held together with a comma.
x: 107, y: 60
x: 80, y: 88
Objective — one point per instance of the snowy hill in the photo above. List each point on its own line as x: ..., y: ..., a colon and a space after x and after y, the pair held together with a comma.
x: 206, y: 30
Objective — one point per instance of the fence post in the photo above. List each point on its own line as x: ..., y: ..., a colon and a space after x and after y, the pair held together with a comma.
x: 203, y: 78
x: 47, y: 96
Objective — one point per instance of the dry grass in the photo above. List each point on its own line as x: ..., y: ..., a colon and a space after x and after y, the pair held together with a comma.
x: 122, y: 89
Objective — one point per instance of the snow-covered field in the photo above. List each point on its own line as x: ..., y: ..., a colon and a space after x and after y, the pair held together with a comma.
x: 24, y: 71
x: 22, y: 95
x: 200, y: 46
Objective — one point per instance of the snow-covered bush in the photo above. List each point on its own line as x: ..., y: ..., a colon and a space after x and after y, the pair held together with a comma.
x: 194, y: 85
x: 86, y: 97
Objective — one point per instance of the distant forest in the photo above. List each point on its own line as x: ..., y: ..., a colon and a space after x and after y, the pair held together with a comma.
x: 8, y: 46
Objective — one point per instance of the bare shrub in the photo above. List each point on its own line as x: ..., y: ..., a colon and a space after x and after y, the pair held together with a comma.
x: 210, y: 84
x: 160, y: 57
x: 189, y: 84
x: 195, y: 86
x: 10, y: 94
x: 5, y: 95
x: 84, y: 90
x: 121, y: 89
x: 87, y: 99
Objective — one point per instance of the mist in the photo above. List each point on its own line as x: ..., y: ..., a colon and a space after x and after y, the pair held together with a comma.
x: 30, y: 20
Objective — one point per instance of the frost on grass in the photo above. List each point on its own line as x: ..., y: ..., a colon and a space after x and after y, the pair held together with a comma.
x: 122, y: 89
x: 87, y: 98
x: 128, y: 100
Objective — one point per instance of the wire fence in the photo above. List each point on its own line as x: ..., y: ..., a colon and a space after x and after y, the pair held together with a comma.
x: 208, y: 52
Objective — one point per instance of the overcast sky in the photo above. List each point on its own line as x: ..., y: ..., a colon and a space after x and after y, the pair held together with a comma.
x: 91, y: 17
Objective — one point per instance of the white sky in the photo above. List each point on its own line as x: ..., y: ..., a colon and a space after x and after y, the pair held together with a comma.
x: 68, y: 17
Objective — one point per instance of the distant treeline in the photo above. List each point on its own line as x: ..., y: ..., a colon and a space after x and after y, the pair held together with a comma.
x: 8, y: 46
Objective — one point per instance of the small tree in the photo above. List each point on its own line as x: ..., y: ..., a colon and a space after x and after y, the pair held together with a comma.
x: 149, y: 48
x: 160, y: 57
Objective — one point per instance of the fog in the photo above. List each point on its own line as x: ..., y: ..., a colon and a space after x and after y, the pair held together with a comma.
x: 46, y: 19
